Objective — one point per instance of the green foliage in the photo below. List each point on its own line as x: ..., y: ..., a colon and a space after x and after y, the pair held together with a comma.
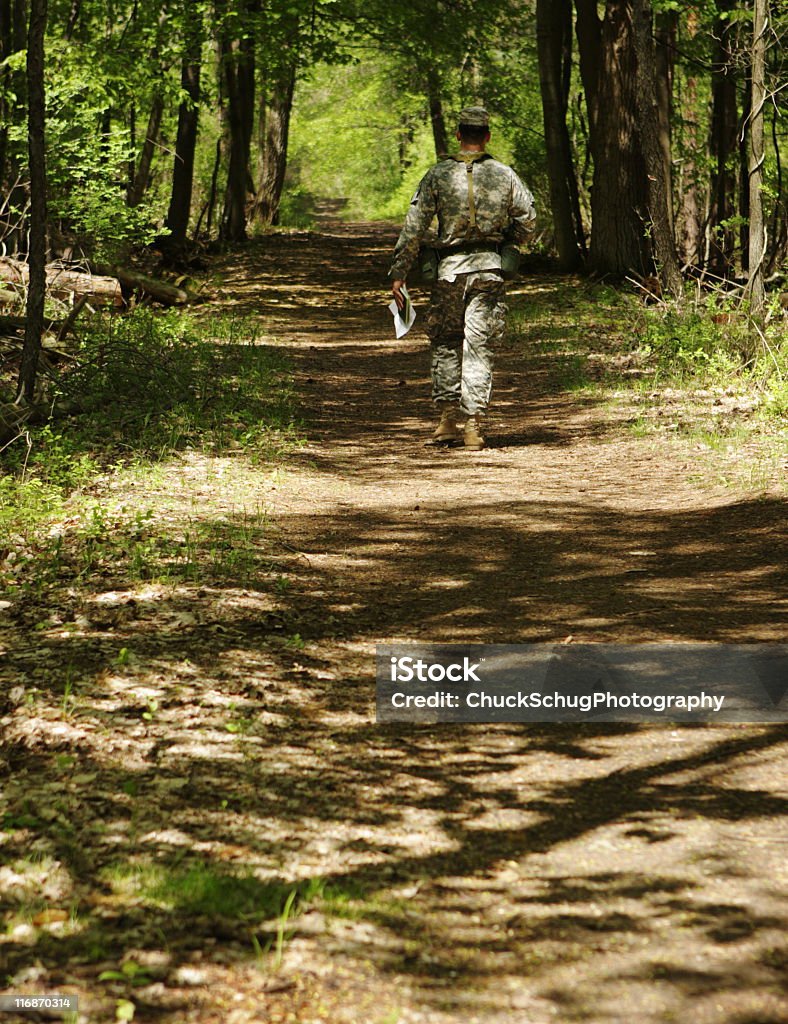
x: 355, y: 136
x: 715, y: 340
x: 158, y: 382
x: 87, y: 162
x: 686, y: 339
x: 151, y: 384
x: 359, y: 134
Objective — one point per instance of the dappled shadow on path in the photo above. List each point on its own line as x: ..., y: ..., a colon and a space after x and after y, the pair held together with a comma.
x: 182, y: 765
x: 464, y: 858
x: 576, y: 866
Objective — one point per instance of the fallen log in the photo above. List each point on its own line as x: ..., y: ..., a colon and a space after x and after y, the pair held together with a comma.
x: 62, y: 283
x: 141, y: 284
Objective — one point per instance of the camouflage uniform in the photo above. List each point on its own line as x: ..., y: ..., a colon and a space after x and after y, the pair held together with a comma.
x: 467, y: 312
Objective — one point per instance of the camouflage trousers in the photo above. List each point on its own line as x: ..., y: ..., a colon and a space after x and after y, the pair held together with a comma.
x: 465, y: 322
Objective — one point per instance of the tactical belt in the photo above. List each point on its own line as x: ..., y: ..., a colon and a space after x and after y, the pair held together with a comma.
x: 470, y: 248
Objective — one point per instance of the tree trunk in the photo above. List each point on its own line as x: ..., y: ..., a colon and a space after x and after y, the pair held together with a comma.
x: 277, y: 128
x: 744, y: 169
x: 13, y: 87
x: 188, y: 125
x: 551, y: 18
x: 665, y: 38
x: 73, y: 18
x: 779, y: 245
x: 6, y: 48
x: 233, y: 222
x: 691, y: 206
x: 653, y: 153
x: 238, y: 70
x: 618, y: 195
x: 589, y: 45
x: 757, y: 240
x: 38, y: 200
x: 142, y: 174
x: 724, y: 131
x: 437, y: 119
x: 210, y: 206
x: 405, y: 141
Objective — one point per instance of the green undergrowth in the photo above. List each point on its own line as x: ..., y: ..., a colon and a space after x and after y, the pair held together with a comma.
x: 150, y: 387
x: 702, y: 369
x: 166, y: 904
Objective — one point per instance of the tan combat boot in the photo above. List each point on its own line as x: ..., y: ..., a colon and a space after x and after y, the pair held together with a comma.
x: 474, y: 439
x: 447, y: 430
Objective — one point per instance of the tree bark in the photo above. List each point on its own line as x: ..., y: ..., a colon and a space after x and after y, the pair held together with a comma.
x: 101, y: 290
x: 238, y: 69
x: 692, y: 203
x: 551, y: 18
x: 6, y: 48
x: 665, y: 38
x: 210, y: 206
x: 277, y: 129
x: 757, y: 240
x: 724, y: 130
x: 779, y: 245
x: 142, y: 173
x: 618, y: 195
x: 36, y: 123
x: 73, y: 18
x: 13, y: 220
x: 653, y: 152
x: 744, y: 175
x: 186, y: 141
x: 589, y: 45
x: 437, y: 119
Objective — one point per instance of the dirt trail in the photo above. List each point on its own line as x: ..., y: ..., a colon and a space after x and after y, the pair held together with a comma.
x: 594, y: 874
x: 532, y: 538
x: 497, y: 875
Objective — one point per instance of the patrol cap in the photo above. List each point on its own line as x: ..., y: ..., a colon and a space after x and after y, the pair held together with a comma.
x: 476, y: 116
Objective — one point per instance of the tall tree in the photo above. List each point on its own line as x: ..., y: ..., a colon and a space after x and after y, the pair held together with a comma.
x: 653, y: 152
x: 553, y: 35
x: 237, y: 46
x: 6, y: 49
x: 188, y: 122
x: 437, y: 119
x: 14, y: 23
x: 666, y: 25
x: 36, y: 124
x: 618, y: 196
x: 141, y: 177
x: 690, y: 215
x: 431, y: 39
x: 757, y: 239
x: 275, y: 138
x: 724, y: 133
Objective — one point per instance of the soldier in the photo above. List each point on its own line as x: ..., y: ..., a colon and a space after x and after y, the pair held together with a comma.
x: 480, y: 204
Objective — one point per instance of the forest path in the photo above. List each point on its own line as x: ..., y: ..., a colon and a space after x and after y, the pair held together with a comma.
x: 215, y: 747
x: 520, y: 874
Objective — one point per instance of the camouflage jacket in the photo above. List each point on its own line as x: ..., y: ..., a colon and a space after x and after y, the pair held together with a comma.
x: 504, y: 209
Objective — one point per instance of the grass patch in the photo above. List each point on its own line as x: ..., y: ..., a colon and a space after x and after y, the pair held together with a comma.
x: 208, y: 890
x: 702, y: 370
x: 151, y: 385
x: 198, y: 889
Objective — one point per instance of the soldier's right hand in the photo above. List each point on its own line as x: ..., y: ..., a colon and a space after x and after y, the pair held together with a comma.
x: 396, y: 291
